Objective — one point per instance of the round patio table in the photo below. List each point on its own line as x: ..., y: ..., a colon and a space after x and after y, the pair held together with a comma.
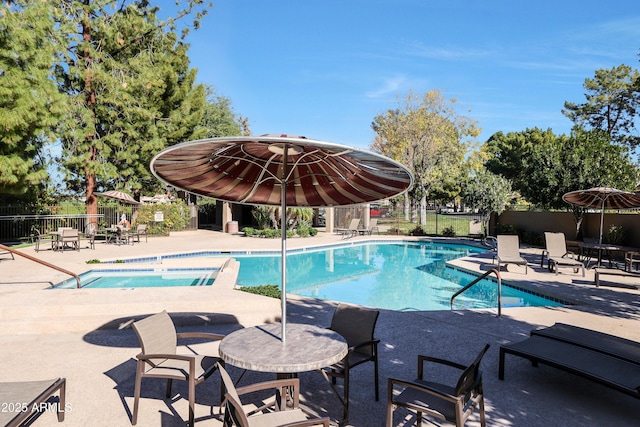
x: 259, y: 348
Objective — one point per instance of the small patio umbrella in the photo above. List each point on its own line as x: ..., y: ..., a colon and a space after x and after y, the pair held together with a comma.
x: 603, y: 198
x: 280, y: 170
x: 119, y: 196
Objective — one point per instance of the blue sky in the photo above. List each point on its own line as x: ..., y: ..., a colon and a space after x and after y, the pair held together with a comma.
x: 325, y: 69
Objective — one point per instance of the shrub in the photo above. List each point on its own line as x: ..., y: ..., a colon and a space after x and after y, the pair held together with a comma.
x: 176, y: 217
x: 615, y: 236
x: 249, y: 231
x: 272, y: 291
x: 305, y: 230
x: 448, y: 231
x: 417, y: 231
x: 93, y: 261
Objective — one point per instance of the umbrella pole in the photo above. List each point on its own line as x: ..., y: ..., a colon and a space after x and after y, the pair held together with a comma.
x: 283, y: 227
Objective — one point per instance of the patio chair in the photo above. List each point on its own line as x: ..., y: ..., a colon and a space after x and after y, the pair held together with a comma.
x: 158, y: 359
x: 557, y: 254
x: 508, y: 251
x: 25, y: 396
x: 141, y: 230
x: 285, y: 409
x: 352, y: 230
x: 40, y: 238
x: 451, y: 403
x: 68, y: 238
x: 90, y: 231
x: 357, y: 326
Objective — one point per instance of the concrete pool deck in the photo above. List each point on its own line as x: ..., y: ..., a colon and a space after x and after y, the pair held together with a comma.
x: 83, y: 335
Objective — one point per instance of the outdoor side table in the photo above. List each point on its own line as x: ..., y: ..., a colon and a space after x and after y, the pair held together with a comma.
x: 259, y: 348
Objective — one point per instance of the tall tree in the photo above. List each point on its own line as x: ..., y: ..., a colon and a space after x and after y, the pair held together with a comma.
x: 30, y: 105
x: 584, y: 159
x: 219, y: 118
x: 428, y: 135
x: 132, y: 93
x: 613, y: 103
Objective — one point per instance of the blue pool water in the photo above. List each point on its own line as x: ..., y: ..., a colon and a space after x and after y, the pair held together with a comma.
x: 142, y: 278
x: 397, y: 276
x: 390, y: 275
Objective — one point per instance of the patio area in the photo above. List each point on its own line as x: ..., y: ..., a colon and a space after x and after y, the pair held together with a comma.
x: 85, y: 336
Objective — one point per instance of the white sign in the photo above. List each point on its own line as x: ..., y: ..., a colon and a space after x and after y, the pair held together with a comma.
x: 159, y: 216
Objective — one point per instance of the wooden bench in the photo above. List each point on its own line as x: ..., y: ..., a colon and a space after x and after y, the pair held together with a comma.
x: 603, y: 358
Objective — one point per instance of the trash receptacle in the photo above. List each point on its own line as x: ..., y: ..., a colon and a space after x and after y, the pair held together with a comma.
x: 232, y: 227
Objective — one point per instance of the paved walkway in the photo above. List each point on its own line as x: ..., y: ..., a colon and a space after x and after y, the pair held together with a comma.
x: 84, y: 335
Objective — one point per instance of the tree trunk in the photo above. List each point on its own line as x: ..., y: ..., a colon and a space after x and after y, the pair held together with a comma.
x: 423, y: 209
x: 407, y: 207
x: 91, y: 202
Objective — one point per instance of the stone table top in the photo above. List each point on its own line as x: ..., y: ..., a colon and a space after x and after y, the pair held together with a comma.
x: 306, y: 348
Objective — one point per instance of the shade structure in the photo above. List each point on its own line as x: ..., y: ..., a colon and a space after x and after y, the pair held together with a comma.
x: 280, y: 170
x: 603, y: 198
x: 119, y: 196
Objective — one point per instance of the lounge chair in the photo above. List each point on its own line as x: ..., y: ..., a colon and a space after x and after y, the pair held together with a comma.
x: 285, y: 409
x: 352, y: 230
x: 373, y: 226
x: 603, y: 358
x: 601, y: 271
x: 158, y: 359
x: 22, y: 402
x: 451, y: 403
x: 557, y: 254
x: 508, y: 251
x: 357, y: 325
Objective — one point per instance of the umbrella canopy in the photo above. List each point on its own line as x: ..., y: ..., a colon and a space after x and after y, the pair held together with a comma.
x: 603, y: 198
x: 280, y: 170
x: 119, y: 196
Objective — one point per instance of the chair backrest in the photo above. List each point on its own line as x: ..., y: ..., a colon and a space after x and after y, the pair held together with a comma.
x: 555, y: 243
x: 353, y: 225
x: 234, y: 404
x: 90, y: 229
x: 157, y: 334
x: 356, y: 325
x: 470, y: 376
x: 69, y: 233
x: 373, y: 223
x: 508, y: 245
x: 142, y: 228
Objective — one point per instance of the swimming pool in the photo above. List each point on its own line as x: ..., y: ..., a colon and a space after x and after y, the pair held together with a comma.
x: 395, y: 276
x: 142, y: 278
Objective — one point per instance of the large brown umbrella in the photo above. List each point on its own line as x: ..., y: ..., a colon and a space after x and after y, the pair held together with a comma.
x: 603, y: 198
x: 119, y: 196
x: 283, y: 171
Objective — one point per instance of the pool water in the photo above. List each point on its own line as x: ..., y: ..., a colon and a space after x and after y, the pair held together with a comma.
x: 143, y: 278
x: 397, y: 276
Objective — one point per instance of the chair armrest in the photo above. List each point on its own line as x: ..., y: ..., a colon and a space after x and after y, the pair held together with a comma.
x: 272, y: 384
x: 422, y: 359
x: 420, y: 387
x: 147, y: 357
x: 312, y: 422
x: 364, y: 344
x: 207, y: 335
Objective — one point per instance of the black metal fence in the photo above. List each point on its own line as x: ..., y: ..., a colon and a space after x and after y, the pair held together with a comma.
x: 16, y: 226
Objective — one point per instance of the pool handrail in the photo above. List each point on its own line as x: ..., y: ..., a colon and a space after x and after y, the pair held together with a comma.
x: 45, y: 263
x: 476, y: 280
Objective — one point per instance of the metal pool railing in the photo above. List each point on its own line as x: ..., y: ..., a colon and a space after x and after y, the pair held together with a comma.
x: 492, y: 271
x: 45, y: 263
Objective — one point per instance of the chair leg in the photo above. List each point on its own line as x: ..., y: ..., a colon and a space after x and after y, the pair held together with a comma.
x: 169, y: 382
x: 136, y: 393
x: 192, y: 401
x: 389, y: 414
x: 375, y: 376
x: 483, y: 422
x: 345, y: 414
